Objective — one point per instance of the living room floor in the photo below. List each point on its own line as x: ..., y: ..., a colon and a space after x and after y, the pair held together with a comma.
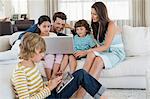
x: 124, y: 94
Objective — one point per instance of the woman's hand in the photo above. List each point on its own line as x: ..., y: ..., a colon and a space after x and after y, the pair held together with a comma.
x: 54, y: 82
x: 79, y: 54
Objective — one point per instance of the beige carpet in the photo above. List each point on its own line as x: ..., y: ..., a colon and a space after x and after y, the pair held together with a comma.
x: 123, y: 94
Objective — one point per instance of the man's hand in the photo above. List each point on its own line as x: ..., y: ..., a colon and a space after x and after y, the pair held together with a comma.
x: 68, y: 26
x: 54, y: 82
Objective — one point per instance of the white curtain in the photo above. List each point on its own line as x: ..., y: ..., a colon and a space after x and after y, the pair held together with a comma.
x: 6, y: 8
x: 1, y: 9
x: 51, y: 7
x: 137, y: 13
x: 147, y: 12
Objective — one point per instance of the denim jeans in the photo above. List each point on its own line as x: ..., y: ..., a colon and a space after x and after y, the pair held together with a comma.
x: 81, y: 77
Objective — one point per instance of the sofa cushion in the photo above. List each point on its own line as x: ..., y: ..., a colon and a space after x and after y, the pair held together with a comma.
x: 131, y: 66
x: 4, y: 43
x: 6, y: 69
x: 136, y: 40
x: 14, y: 37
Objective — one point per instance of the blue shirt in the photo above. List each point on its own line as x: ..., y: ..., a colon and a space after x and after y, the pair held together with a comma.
x: 84, y: 43
x: 32, y: 29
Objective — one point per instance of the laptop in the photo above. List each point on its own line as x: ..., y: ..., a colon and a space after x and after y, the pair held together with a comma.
x: 59, y: 45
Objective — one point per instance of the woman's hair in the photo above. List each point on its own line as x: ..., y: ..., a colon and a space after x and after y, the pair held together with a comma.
x: 31, y: 42
x: 100, y: 27
x: 42, y: 19
x: 83, y: 23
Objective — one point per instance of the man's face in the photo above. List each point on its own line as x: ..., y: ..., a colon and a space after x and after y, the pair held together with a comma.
x: 59, y: 25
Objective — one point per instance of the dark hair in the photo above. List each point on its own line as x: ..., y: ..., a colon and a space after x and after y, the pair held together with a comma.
x: 60, y: 15
x: 41, y: 19
x: 100, y: 27
x: 83, y: 23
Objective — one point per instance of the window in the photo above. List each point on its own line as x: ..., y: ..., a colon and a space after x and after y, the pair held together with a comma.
x: 19, y: 6
x: 81, y: 9
x: 118, y: 9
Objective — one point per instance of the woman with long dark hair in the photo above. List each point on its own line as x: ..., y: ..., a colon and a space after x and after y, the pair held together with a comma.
x: 109, y: 50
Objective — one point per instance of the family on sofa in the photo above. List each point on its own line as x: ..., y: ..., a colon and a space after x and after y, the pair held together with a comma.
x: 105, y: 52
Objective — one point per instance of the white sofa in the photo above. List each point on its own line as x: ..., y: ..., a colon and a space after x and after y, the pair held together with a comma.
x: 128, y: 74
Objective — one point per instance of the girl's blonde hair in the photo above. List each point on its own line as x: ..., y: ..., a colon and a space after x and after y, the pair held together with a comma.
x: 31, y: 42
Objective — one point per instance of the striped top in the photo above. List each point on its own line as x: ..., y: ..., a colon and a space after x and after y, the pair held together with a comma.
x: 28, y: 83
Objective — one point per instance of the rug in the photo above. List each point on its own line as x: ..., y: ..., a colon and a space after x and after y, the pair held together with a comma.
x: 123, y: 94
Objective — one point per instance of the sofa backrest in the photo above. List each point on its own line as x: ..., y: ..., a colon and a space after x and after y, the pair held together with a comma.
x: 22, y: 25
x: 136, y: 40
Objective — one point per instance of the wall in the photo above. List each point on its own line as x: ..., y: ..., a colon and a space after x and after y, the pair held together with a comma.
x: 36, y: 8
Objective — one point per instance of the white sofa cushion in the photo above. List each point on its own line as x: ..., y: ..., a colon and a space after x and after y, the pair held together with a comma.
x: 4, y: 43
x: 14, y: 37
x: 136, y: 40
x: 131, y: 66
x: 6, y: 69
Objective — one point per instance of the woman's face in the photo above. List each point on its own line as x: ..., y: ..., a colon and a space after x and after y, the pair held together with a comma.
x: 94, y: 15
x: 44, y: 28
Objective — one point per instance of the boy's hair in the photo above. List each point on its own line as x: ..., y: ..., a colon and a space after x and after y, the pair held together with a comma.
x: 83, y: 23
x: 31, y: 42
x: 60, y: 15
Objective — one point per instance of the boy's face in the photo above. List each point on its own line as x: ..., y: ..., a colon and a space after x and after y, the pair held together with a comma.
x: 81, y: 31
x: 44, y: 28
x: 59, y: 25
x: 38, y: 55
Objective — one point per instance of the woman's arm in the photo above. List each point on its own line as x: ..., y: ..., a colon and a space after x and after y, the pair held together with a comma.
x: 111, y: 31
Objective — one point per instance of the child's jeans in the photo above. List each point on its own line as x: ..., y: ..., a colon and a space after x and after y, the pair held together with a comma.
x: 51, y: 59
x: 81, y: 77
